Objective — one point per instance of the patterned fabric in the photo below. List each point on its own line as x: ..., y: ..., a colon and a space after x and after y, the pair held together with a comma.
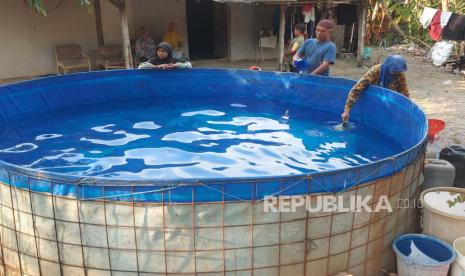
x: 145, y: 49
x: 427, y: 16
x: 399, y: 84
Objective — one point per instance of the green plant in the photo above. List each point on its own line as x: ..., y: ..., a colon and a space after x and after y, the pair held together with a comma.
x: 407, y: 14
x: 460, y: 198
x: 41, y: 8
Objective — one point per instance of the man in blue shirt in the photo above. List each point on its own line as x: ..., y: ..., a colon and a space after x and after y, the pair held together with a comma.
x: 320, y: 53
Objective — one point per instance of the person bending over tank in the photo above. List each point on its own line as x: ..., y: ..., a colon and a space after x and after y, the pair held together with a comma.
x: 389, y: 74
x: 319, y: 53
x: 164, y: 59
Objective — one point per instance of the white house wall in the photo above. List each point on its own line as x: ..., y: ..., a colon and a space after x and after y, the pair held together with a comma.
x: 242, y: 34
x: 111, y: 24
x: 28, y: 39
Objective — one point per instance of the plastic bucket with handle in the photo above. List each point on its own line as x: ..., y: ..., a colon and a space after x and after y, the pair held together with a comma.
x: 424, y: 255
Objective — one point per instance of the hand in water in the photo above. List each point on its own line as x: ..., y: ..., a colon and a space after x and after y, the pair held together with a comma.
x: 345, y: 116
x: 286, y: 115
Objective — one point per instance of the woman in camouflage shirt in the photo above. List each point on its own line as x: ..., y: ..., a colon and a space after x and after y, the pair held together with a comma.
x: 389, y: 75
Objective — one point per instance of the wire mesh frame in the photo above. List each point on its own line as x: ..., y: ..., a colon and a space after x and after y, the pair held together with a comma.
x: 306, y: 267
x: 181, y: 273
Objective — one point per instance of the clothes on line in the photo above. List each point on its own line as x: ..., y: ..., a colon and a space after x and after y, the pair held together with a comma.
x: 445, y: 25
x: 310, y: 29
x: 455, y: 29
x: 427, y: 17
x: 435, y: 29
x: 309, y: 12
x: 445, y: 16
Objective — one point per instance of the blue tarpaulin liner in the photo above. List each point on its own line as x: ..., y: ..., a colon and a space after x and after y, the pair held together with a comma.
x: 391, y: 113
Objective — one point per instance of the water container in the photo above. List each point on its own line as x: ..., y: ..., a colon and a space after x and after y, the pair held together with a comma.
x: 438, y: 173
x: 458, y: 268
x: 435, y: 126
x: 301, y: 64
x: 456, y: 155
x: 443, y: 213
x: 367, y: 52
x: 422, y: 255
x: 433, y: 150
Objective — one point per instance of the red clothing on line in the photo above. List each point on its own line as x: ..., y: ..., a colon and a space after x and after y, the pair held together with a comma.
x: 307, y: 8
x: 435, y: 29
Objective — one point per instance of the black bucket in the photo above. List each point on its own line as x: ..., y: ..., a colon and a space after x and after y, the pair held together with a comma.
x: 456, y: 156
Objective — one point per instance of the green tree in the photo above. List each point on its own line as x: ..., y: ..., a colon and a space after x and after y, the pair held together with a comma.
x: 40, y: 7
x: 407, y: 14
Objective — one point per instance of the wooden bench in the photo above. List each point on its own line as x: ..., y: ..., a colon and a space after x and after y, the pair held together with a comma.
x: 71, y: 58
x: 110, y: 57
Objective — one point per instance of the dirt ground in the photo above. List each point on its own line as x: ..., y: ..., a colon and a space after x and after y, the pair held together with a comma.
x: 440, y: 93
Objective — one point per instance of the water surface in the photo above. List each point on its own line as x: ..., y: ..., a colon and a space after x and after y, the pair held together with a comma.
x: 164, y: 138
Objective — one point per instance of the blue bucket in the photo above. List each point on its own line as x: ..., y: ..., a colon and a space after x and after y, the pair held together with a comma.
x: 301, y: 65
x: 437, y: 255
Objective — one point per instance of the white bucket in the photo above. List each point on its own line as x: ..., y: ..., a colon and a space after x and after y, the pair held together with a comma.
x: 422, y: 255
x: 458, y: 268
x: 439, y: 218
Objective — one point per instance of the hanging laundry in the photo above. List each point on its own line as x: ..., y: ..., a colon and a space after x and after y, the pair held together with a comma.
x: 346, y: 14
x: 427, y: 16
x: 309, y: 12
x: 311, y: 29
x: 455, y: 29
x: 445, y: 16
x: 435, y: 29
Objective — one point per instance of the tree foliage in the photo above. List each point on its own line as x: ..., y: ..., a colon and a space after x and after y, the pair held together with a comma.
x: 407, y: 14
x: 41, y: 8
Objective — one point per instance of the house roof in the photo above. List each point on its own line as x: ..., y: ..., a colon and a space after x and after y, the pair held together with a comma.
x: 295, y: 1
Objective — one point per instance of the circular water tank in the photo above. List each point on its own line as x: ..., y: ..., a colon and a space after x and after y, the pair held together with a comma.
x: 61, y: 224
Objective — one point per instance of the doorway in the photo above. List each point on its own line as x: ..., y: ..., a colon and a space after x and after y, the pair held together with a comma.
x: 207, y: 29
